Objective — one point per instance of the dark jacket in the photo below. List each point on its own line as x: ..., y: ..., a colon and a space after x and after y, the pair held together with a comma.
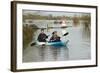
x: 42, y: 37
x: 55, y: 39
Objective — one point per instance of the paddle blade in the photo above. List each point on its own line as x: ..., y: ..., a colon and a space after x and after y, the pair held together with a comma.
x: 66, y: 34
x: 32, y: 44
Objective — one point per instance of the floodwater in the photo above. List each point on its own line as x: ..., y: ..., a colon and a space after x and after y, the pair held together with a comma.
x: 78, y: 47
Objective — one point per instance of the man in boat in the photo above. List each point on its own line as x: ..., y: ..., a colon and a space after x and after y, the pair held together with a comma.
x: 42, y: 36
x: 55, y: 37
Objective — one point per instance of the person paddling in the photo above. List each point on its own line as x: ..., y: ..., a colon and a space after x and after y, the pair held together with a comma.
x: 42, y: 36
x: 55, y: 37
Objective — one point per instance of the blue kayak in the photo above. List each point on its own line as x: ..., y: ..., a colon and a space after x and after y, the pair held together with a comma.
x: 56, y: 44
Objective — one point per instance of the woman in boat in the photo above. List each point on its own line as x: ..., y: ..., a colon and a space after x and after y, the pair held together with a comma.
x: 42, y: 36
x: 55, y: 37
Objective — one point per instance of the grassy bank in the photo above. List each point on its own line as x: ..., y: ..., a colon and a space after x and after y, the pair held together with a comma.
x: 28, y: 32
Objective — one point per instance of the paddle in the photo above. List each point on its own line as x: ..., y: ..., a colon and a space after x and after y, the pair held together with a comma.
x: 66, y: 33
x: 34, y: 43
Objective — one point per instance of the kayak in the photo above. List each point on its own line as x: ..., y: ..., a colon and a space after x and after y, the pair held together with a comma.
x: 52, y: 43
x: 55, y: 44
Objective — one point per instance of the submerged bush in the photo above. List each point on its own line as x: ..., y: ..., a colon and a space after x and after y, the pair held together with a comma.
x: 28, y: 32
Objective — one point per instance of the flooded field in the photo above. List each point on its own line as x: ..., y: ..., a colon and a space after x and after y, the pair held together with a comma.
x: 78, y: 47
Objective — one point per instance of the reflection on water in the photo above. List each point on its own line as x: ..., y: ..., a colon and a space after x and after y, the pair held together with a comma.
x: 47, y: 53
x: 78, y: 47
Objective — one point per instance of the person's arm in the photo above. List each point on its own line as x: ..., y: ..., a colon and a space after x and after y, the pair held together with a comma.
x: 46, y: 36
x: 58, y: 39
x: 51, y: 38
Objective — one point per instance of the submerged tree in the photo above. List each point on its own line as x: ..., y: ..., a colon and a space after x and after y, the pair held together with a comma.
x: 28, y: 32
x: 86, y: 23
x: 75, y: 20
